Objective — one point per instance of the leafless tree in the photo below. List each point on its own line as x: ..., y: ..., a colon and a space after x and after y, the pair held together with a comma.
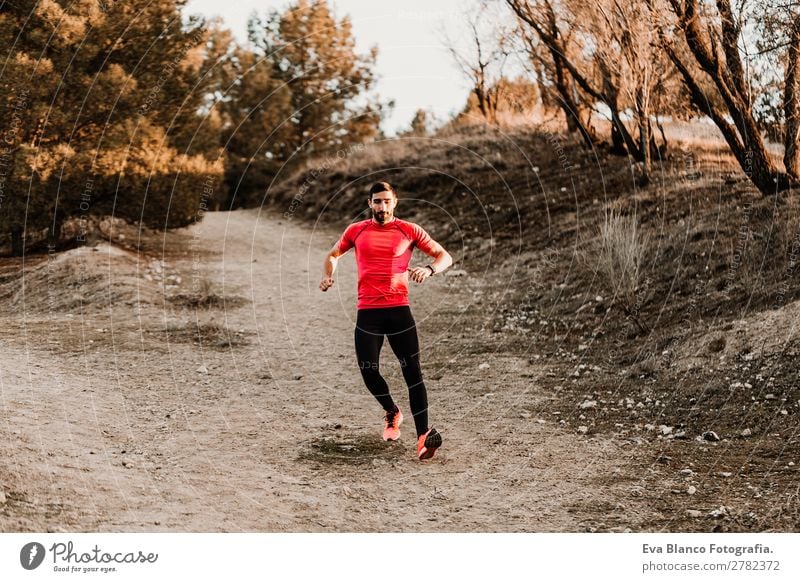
x: 548, y: 66
x: 483, y: 64
x: 606, y: 48
x: 625, y: 35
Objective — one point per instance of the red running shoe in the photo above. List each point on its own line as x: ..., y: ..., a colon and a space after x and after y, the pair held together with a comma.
x: 428, y: 443
x: 391, y: 430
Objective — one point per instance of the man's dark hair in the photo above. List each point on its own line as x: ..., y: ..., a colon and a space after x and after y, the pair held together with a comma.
x: 378, y: 187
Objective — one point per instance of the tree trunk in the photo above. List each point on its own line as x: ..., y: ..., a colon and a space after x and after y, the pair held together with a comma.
x: 567, y: 103
x: 743, y: 136
x: 645, y: 135
x: 791, y: 105
x: 617, y: 142
x: 491, y: 106
x: 660, y: 150
x: 644, y: 148
x: 624, y: 136
x: 481, y: 96
x: 569, y: 106
x: 752, y: 155
x: 609, y: 94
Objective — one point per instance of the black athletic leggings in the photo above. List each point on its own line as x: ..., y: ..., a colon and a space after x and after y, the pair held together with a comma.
x: 398, y: 325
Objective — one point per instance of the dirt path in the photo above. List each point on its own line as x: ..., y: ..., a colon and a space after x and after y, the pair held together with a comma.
x: 108, y: 426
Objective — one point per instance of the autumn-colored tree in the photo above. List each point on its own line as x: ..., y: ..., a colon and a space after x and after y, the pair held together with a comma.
x: 257, y: 110
x: 420, y: 124
x: 313, y: 54
x: 100, y: 99
x: 522, y: 96
x: 521, y: 100
x: 298, y: 89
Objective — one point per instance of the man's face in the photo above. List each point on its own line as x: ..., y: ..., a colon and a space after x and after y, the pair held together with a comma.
x: 382, y: 205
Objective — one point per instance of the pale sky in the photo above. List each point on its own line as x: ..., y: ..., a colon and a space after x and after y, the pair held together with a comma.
x: 413, y: 66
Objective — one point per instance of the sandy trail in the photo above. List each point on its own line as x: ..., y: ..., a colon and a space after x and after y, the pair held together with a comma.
x: 107, y: 427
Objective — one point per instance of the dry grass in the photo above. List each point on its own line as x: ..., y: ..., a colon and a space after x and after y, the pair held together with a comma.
x: 787, y: 236
x: 618, y: 255
x: 358, y: 160
x: 471, y: 133
x: 376, y: 155
x: 506, y: 121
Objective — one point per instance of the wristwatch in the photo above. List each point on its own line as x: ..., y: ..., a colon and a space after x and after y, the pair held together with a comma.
x: 432, y: 268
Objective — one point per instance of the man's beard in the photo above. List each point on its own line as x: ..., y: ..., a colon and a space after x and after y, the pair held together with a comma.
x: 381, y: 216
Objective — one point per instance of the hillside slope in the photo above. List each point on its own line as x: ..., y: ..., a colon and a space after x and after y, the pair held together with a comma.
x: 715, y: 349
x: 199, y: 380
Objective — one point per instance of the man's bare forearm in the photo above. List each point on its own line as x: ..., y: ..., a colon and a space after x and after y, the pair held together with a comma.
x: 329, y: 266
x: 442, y: 261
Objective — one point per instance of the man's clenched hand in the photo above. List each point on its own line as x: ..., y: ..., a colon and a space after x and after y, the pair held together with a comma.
x: 419, y: 274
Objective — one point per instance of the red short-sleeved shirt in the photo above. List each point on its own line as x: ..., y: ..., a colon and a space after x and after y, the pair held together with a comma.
x: 383, y: 252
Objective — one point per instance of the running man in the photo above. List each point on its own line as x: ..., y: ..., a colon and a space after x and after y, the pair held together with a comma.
x: 383, y: 246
